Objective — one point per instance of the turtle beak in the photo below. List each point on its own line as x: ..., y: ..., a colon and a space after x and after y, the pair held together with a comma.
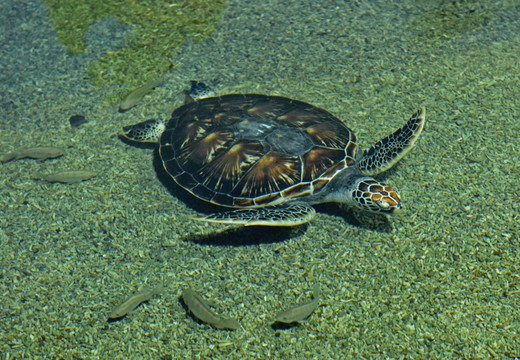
x: 396, y: 210
x: 386, y: 199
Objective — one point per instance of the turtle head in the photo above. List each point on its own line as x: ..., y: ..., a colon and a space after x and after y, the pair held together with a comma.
x: 363, y: 192
x: 368, y: 194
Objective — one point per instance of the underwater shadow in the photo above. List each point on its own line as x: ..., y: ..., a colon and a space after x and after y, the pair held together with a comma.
x: 136, y: 144
x: 357, y: 218
x: 248, y: 235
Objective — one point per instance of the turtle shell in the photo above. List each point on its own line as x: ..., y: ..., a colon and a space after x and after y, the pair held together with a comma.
x: 248, y: 150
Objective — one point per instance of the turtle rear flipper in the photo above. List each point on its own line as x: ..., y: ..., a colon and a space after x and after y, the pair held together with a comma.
x: 290, y: 214
x: 389, y: 150
x: 148, y: 131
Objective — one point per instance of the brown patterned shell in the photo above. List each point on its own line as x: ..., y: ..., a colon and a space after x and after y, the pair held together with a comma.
x: 254, y: 150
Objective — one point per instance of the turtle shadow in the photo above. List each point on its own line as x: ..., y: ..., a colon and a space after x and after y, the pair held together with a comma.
x: 357, y: 218
x: 248, y: 235
x: 136, y: 144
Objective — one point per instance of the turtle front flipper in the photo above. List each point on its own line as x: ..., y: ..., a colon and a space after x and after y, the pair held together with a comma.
x: 148, y: 131
x: 290, y: 214
x: 389, y: 150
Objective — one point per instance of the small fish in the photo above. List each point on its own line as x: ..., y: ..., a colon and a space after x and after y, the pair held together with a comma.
x: 135, y: 96
x: 133, y: 302
x: 68, y: 177
x: 300, y: 312
x: 41, y: 153
x: 201, y: 311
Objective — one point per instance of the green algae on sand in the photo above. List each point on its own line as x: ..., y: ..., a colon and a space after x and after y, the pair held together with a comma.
x: 160, y: 28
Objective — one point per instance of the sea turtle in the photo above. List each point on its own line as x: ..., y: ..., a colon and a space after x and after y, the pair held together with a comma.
x: 271, y: 158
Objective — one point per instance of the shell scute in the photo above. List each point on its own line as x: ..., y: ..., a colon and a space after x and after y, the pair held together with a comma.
x: 302, y: 116
x: 244, y: 202
x: 223, y: 199
x: 267, y: 108
x: 297, y: 190
x: 195, y: 154
x: 318, y: 184
x: 267, y: 199
x: 272, y: 173
x: 189, y: 132
x: 329, y: 134
x: 333, y: 170
x: 186, y: 181
x: 224, y: 172
x: 318, y: 160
